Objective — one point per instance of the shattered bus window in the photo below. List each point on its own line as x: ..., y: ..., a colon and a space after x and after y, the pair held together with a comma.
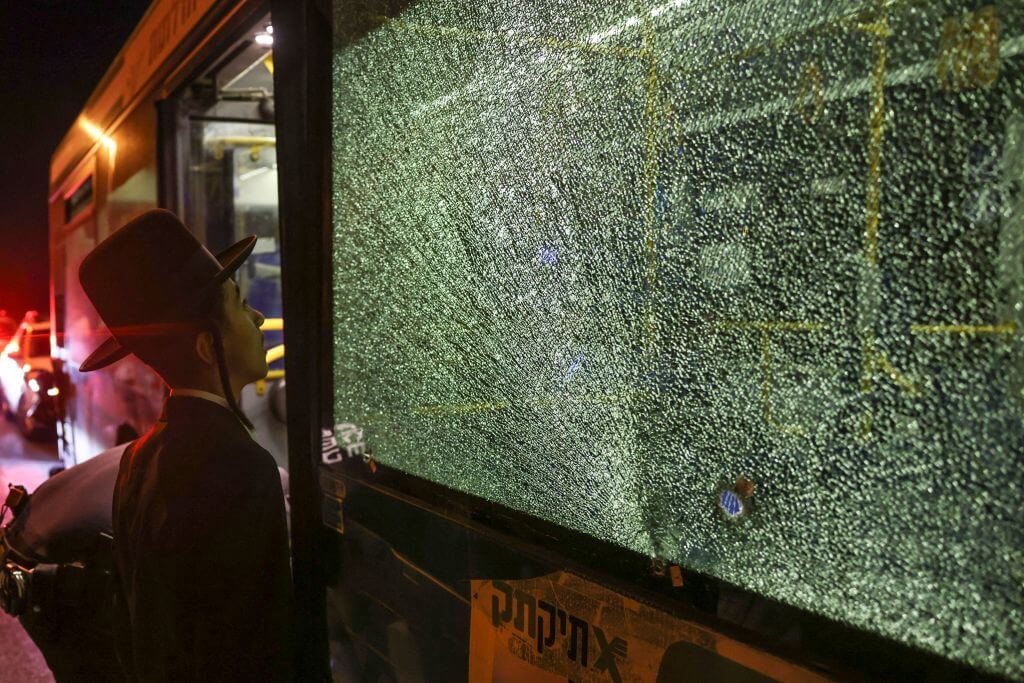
x: 738, y: 285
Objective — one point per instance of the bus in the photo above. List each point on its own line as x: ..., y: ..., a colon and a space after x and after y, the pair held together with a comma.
x: 209, y: 153
x: 645, y: 341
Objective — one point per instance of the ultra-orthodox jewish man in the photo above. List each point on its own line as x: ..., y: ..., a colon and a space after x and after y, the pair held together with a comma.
x: 200, y: 537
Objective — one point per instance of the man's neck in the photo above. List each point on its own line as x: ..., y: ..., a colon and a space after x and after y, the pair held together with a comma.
x: 207, y: 383
x: 200, y: 393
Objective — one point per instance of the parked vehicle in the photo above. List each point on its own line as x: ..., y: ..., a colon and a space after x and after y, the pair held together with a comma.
x: 8, y: 326
x: 28, y: 391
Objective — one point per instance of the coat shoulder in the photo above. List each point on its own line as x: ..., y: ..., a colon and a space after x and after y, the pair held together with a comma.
x: 247, y: 461
x: 220, y: 453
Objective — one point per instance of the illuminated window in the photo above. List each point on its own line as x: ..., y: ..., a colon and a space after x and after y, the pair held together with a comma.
x: 79, y: 200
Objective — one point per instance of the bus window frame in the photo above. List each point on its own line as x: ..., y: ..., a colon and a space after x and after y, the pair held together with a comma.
x: 303, y: 47
x: 83, y: 171
x: 84, y: 219
x: 841, y: 649
x: 74, y: 206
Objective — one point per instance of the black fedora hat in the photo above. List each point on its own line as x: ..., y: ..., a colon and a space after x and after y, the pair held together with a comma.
x: 149, y: 276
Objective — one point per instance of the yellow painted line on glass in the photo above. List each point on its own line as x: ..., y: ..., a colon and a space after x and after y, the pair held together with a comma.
x: 873, y: 199
x: 1006, y: 328
x: 494, y: 406
x: 460, y: 408
x: 771, y: 325
x: 818, y: 30
x: 767, y: 390
x: 882, y: 363
x: 880, y: 30
x: 868, y: 352
x: 512, y: 37
x: 652, y: 121
x: 766, y: 327
x: 651, y: 149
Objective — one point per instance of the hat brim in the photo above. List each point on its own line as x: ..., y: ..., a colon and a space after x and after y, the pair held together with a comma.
x: 111, y: 351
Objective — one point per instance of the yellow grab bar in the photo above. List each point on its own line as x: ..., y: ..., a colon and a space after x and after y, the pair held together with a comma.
x: 241, y: 141
x: 273, y: 354
x: 276, y: 353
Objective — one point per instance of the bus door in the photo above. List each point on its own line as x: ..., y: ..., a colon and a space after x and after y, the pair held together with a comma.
x: 220, y: 173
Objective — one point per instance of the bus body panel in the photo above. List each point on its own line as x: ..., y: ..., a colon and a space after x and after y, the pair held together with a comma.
x: 164, y: 28
x: 104, y: 407
x: 449, y: 588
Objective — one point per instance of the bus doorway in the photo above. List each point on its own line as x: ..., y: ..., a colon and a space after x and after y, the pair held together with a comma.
x: 220, y: 160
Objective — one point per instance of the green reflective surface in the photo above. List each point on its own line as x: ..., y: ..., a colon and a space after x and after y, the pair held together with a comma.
x: 595, y: 261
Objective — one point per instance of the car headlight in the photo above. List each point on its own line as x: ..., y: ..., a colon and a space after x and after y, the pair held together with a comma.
x: 39, y: 381
x: 13, y: 589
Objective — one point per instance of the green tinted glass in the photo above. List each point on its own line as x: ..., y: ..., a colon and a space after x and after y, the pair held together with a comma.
x: 739, y: 285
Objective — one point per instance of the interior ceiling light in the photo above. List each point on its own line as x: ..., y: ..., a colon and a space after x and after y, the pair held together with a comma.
x: 264, y: 39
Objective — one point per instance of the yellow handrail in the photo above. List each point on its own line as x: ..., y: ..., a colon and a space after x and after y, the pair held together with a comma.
x: 274, y: 353
x: 241, y: 141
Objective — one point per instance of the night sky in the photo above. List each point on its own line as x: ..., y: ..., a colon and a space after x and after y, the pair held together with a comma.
x: 52, y: 54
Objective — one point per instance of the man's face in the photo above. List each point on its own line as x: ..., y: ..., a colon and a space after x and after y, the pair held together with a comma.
x: 243, y: 340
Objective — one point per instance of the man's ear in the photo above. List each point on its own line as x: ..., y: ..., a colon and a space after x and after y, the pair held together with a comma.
x: 204, y: 348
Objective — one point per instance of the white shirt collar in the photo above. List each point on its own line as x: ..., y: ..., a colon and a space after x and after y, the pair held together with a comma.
x: 198, y: 393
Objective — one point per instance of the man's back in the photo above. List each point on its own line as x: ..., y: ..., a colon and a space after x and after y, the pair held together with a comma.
x: 202, y: 551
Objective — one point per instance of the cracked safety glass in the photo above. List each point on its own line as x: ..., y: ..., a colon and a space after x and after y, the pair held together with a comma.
x: 736, y: 285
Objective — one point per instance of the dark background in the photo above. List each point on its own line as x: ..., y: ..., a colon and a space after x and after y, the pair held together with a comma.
x: 52, y: 55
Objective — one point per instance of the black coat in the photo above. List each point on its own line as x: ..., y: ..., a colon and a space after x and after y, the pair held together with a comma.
x: 201, y: 548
